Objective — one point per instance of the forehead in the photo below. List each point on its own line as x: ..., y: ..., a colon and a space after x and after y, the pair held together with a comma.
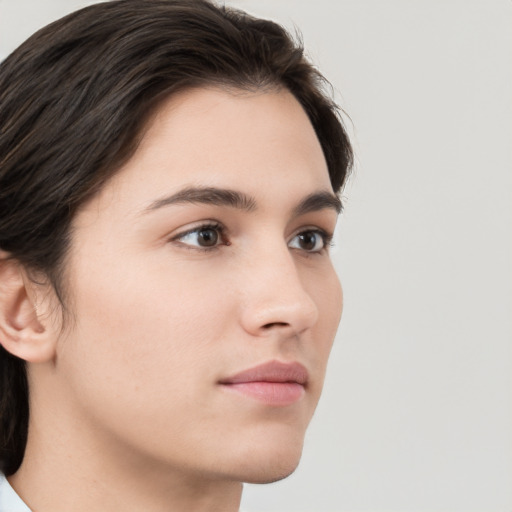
x: 261, y: 143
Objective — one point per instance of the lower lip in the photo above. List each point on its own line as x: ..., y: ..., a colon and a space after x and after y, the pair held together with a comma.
x: 270, y: 393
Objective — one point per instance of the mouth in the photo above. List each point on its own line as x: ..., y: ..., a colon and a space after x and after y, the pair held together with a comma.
x: 274, y: 383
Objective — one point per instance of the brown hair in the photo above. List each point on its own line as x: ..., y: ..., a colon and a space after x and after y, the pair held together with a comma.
x: 73, y: 101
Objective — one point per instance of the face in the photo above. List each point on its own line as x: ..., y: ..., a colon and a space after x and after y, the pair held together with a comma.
x: 205, y: 299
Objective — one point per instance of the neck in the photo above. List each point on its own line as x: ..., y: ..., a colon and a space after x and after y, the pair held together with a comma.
x: 63, y: 483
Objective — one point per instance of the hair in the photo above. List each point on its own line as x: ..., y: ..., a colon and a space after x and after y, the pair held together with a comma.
x: 74, y: 100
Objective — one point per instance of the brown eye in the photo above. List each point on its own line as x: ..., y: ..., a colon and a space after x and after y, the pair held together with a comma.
x: 207, y: 237
x: 310, y: 241
x: 203, y: 237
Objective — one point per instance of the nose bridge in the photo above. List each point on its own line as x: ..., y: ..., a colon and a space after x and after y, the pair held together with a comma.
x: 275, y: 295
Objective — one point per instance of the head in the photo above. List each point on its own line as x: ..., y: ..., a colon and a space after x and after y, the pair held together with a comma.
x: 156, y: 162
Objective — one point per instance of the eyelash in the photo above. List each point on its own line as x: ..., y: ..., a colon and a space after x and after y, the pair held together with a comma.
x: 203, y: 227
x: 221, y: 230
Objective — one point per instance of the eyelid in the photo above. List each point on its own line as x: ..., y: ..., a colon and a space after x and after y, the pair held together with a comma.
x: 201, y: 225
x: 327, y: 238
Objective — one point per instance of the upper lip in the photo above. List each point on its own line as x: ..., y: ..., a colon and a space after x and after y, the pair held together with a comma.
x: 272, y: 371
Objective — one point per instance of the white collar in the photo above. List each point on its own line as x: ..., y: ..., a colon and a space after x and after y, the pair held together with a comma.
x: 9, y: 500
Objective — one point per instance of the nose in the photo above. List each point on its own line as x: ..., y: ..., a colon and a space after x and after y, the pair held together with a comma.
x: 274, y: 299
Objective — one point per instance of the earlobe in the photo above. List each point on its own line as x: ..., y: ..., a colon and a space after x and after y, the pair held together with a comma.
x: 22, y: 330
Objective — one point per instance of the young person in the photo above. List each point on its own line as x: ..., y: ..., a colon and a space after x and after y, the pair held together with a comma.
x: 169, y: 179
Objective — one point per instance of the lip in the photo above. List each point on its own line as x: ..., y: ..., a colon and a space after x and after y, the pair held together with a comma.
x: 274, y: 383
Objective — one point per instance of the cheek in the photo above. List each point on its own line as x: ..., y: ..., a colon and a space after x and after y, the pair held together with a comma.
x: 327, y: 294
x: 326, y: 291
x: 142, y: 338
x: 337, y: 301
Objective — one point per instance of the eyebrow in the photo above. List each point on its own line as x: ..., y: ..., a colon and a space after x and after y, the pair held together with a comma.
x: 234, y: 199
x: 317, y: 201
x: 206, y: 195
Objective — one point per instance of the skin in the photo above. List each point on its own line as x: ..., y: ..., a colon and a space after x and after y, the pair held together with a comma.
x: 127, y: 412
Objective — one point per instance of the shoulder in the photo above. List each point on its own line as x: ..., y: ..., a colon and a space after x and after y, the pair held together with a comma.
x: 9, y: 500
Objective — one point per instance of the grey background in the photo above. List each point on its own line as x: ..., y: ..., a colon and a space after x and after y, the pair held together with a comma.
x: 417, y: 410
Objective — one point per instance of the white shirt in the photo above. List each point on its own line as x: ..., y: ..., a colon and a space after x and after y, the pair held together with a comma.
x: 9, y: 500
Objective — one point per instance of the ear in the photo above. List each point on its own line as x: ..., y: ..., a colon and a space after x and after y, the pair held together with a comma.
x: 26, y: 330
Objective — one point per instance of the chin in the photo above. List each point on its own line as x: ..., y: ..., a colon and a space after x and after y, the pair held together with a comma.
x: 270, y: 475
x: 268, y: 462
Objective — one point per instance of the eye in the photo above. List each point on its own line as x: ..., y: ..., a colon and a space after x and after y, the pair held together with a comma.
x: 207, y: 236
x: 311, y: 240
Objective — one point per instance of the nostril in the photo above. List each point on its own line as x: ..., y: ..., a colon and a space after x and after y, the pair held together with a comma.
x: 275, y: 324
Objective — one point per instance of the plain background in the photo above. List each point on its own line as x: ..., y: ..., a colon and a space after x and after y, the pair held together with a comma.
x: 417, y: 410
